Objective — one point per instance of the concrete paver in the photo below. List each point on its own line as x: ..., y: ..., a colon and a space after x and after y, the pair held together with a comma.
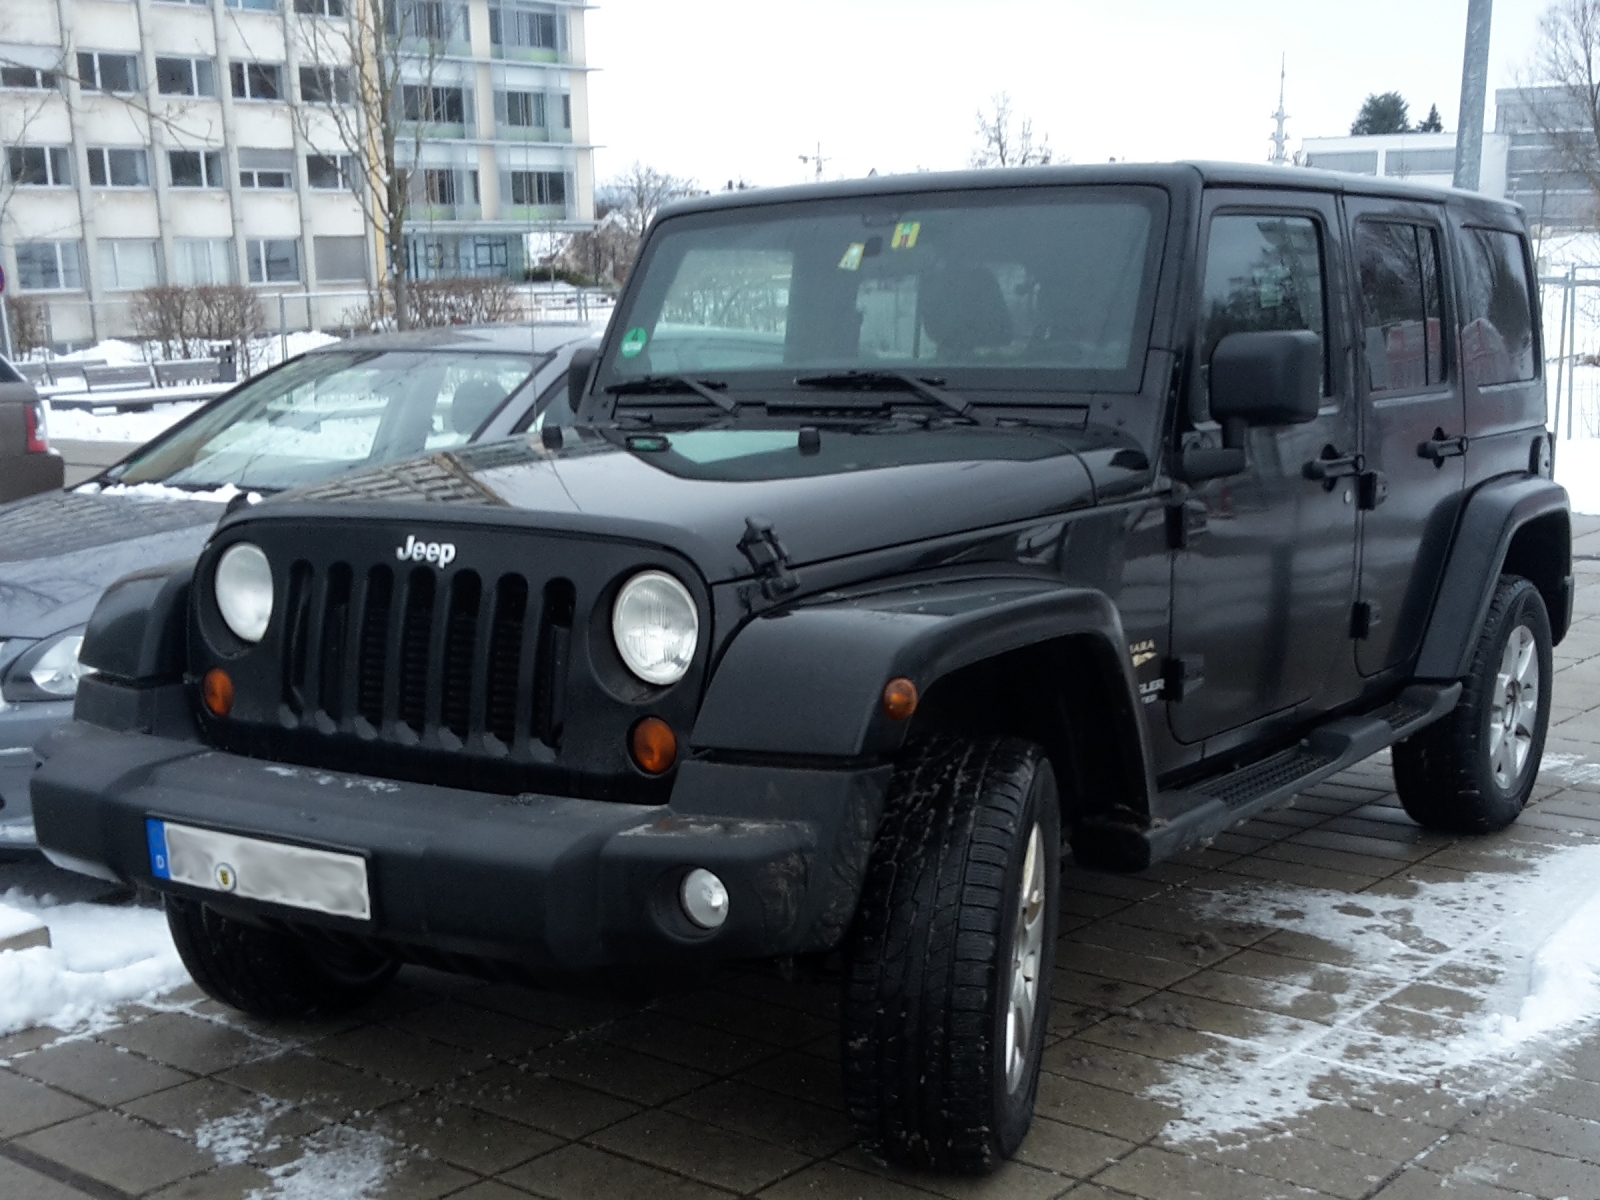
x: 1175, y: 990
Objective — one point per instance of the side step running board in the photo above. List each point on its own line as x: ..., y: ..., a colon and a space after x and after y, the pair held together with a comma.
x: 1223, y: 801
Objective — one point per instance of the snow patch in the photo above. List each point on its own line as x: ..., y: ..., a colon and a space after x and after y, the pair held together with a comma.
x: 82, y: 425
x: 162, y: 491
x: 102, y: 957
x: 234, y: 1138
x: 1529, y: 940
x: 337, y: 1161
x: 1578, y: 470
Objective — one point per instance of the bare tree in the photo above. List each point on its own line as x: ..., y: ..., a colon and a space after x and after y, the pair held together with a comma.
x: 640, y: 192
x: 371, y: 108
x: 1564, y: 102
x: 1002, y: 143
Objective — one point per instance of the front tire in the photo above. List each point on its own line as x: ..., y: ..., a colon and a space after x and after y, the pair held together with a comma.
x: 947, y: 992
x: 267, y: 973
x: 1473, y: 771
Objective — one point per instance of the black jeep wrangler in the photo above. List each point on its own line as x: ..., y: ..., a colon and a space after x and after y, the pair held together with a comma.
x: 903, y: 535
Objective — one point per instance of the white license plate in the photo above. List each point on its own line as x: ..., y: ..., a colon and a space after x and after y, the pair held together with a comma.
x: 297, y: 876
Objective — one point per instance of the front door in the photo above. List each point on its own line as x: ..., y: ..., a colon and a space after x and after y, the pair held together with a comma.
x: 1262, y: 589
x: 1413, y: 421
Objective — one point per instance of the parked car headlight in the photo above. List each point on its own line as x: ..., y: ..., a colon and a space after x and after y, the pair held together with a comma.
x: 243, y: 585
x: 656, y: 626
x: 47, y: 670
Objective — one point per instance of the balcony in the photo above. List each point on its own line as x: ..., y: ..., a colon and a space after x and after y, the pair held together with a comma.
x: 534, y: 212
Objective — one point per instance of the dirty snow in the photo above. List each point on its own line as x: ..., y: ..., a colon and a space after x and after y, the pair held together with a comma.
x: 103, y: 956
x: 1530, y: 941
x: 336, y: 1161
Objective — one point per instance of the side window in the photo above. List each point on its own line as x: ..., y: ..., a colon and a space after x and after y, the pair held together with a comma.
x: 1262, y: 273
x: 1398, y: 266
x: 1497, y: 330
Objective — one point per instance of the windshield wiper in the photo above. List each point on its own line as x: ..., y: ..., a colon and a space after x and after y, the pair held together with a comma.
x: 657, y: 384
x: 932, y: 390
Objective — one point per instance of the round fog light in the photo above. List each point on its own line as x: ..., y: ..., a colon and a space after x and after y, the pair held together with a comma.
x: 704, y: 899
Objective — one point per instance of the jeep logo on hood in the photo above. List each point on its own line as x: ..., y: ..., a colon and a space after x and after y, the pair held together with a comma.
x: 443, y: 553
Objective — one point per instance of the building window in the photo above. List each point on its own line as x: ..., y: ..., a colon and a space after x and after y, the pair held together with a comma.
x: 128, y: 264
x: 529, y: 28
x: 118, y: 168
x: 439, y: 187
x: 325, y: 85
x: 328, y: 172
x: 256, y: 81
x: 273, y: 260
x: 202, y: 262
x: 99, y: 72
x: 440, y: 105
x: 27, y: 77
x: 536, y: 188
x: 266, y: 169
x: 523, y: 110
x: 254, y: 5
x: 320, y: 8
x: 40, y: 166
x: 195, y: 168
x: 566, y: 111
x: 432, y: 20
x: 489, y: 253
x: 341, y: 259
x: 49, y: 266
x: 186, y: 77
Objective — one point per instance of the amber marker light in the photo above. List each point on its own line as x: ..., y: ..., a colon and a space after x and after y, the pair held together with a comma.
x: 654, y: 745
x: 216, y: 689
x: 899, y: 699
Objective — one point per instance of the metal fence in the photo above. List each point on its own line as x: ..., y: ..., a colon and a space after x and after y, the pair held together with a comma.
x: 1571, y: 304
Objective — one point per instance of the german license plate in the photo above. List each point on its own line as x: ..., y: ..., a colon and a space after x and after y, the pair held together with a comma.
x: 298, y: 876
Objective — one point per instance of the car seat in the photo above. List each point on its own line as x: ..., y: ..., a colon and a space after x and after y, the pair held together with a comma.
x: 474, y: 402
x: 963, y: 310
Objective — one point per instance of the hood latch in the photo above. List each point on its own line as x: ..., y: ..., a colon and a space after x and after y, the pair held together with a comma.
x: 761, y: 546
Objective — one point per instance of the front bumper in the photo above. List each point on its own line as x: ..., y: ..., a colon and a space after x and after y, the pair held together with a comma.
x: 553, y: 884
x: 22, y: 726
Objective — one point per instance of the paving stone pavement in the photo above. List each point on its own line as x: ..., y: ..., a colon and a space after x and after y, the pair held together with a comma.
x: 1213, y: 1035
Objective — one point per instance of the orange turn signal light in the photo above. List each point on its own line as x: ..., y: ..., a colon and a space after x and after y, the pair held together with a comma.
x: 899, y: 699
x: 654, y: 745
x: 216, y: 689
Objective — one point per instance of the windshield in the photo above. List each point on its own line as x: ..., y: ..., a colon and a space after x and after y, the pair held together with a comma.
x: 329, y: 411
x: 1043, y: 287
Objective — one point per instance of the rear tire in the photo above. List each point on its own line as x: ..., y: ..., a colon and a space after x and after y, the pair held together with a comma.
x: 1473, y: 771
x: 947, y: 990
x: 267, y: 973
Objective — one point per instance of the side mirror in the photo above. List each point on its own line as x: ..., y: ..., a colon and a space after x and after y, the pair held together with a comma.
x: 578, y: 369
x: 1272, y: 378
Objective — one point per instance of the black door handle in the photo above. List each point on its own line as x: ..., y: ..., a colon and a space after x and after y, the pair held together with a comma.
x: 1332, y: 465
x: 1440, y: 447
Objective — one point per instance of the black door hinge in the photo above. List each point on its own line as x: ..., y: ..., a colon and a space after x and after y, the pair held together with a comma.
x: 1182, y: 675
x: 1372, y: 489
x: 1177, y: 527
x: 1360, y: 619
x: 761, y: 546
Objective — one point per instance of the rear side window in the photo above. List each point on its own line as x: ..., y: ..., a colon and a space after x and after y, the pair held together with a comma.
x: 1262, y: 273
x: 1497, y: 334
x: 1401, y: 306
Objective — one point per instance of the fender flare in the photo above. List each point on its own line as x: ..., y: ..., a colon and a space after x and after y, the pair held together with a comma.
x: 139, y: 631
x: 806, y: 681
x: 1489, y: 521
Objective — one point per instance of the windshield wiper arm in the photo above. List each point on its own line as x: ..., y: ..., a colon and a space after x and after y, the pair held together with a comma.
x: 932, y: 390
x: 655, y: 384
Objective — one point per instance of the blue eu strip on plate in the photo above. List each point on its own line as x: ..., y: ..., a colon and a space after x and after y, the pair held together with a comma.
x: 156, y: 833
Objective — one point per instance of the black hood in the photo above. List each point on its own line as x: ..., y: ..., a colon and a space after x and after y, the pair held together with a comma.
x: 860, y: 491
x: 59, y: 552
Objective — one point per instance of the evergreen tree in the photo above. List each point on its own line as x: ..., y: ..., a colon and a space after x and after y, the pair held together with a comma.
x: 1387, y: 113
x: 1433, y: 123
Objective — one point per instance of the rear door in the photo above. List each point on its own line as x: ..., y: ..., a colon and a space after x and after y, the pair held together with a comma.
x: 1413, y: 420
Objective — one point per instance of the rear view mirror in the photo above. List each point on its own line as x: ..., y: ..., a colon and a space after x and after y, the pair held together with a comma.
x: 578, y: 368
x: 1272, y: 378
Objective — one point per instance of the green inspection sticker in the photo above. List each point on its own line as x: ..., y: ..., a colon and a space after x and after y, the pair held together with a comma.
x: 633, y: 342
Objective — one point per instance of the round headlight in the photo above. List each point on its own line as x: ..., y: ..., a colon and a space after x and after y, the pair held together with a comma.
x: 656, y: 626
x: 244, y: 590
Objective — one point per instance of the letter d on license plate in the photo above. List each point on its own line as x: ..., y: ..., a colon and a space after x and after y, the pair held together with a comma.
x: 298, y: 876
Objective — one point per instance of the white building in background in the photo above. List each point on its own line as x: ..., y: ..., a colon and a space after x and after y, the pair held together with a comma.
x: 165, y: 141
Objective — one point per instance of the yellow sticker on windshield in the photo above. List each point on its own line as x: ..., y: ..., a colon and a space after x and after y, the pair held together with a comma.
x: 905, y: 235
x: 852, y: 257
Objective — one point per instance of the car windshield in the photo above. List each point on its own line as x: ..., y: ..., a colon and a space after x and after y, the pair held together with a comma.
x: 333, y: 410
x: 1038, y: 287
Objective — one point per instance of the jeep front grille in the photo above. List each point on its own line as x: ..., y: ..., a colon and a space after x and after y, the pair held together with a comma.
x: 414, y: 656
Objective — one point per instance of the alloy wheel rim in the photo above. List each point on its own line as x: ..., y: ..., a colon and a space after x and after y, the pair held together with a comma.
x: 1514, y: 708
x: 1027, y: 953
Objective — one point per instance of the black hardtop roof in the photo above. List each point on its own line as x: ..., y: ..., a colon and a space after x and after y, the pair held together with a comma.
x: 1175, y: 176
x: 488, y: 339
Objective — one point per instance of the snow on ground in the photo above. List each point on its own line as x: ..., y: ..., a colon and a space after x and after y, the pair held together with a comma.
x: 1578, y: 470
x: 102, y: 956
x: 136, y: 428
x: 1516, y: 954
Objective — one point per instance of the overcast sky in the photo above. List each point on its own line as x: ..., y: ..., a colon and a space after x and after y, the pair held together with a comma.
x: 719, y: 89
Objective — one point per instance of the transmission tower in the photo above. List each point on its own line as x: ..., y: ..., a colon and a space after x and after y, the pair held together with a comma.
x: 1280, y: 140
